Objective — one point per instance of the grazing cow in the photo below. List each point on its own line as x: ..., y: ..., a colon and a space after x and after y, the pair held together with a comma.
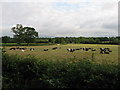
x: 109, y: 49
x: 45, y: 50
x: 71, y: 50
x: 86, y: 49
x: 93, y: 49
x: 54, y: 48
x: 22, y: 48
x: 83, y: 49
x: 102, y: 50
x: 12, y: 48
x: 105, y: 51
x: 32, y: 49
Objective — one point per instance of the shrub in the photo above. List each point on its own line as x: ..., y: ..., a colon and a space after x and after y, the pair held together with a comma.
x: 32, y: 73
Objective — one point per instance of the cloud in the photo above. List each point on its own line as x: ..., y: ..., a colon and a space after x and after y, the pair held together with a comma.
x: 59, y: 1
x: 63, y: 18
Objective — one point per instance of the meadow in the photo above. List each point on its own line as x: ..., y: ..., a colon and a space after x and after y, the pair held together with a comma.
x: 62, y: 54
x: 60, y: 68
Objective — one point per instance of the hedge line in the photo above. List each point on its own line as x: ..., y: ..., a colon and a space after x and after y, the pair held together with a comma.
x: 29, y: 72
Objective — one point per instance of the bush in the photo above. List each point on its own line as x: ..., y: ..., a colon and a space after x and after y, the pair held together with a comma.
x: 32, y: 73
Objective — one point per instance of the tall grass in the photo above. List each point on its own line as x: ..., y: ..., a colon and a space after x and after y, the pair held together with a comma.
x: 29, y: 72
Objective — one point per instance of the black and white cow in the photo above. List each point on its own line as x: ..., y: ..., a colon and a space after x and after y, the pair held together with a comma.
x: 12, y: 48
x: 32, y: 49
x: 105, y: 50
x: 71, y: 50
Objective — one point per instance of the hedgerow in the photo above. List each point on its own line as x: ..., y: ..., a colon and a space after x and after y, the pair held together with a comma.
x: 30, y: 72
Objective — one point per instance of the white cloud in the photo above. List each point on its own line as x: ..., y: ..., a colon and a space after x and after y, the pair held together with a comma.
x: 73, y: 1
x: 0, y: 19
x: 50, y: 19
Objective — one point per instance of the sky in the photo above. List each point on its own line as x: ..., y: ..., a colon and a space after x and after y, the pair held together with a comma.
x: 61, y: 18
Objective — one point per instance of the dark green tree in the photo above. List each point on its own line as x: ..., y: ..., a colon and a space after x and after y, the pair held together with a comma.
x: 24, y: 34
x: 6, y: 39
x: 30, y: 35
x: 18, y: 33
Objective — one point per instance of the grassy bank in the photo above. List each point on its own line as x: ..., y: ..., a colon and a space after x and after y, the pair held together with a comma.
x: 32, y: 73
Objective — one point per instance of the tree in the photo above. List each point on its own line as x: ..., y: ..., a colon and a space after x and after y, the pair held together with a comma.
x: 30, y: 35
x: 5, y: 39
x: 24, y: 34
x: 18, y: 33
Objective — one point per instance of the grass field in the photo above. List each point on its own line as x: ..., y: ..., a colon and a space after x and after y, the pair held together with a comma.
x: 60, y: 68
x: 63, y: 54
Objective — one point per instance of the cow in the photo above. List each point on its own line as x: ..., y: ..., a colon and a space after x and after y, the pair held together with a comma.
x: 109, y: 49
x: 45, y: 49
x: 32, y: 49
x: 102, y: 50
x: 83, y: 49
x: 93, y: 49
x: 71, y: 50
x: 105, y: 50
x: 54, y: 48
x: 12, y: 48
x: 22, y: 48
x: 86, y: 49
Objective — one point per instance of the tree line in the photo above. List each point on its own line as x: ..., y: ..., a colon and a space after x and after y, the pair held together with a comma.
x: 28, y: 35
x: 67, y: 40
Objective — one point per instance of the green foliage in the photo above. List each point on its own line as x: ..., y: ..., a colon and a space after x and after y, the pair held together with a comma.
x: 30, y: 34
x: 25, y: 44
x: 24, y: 34
x: 32, y: 73
x: 31, y: 37
x: 6, y: 39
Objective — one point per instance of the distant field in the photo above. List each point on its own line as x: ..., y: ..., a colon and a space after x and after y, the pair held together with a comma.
x: 62, y: 54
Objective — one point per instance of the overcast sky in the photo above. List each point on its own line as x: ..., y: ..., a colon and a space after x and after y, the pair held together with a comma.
x: 61, y: 18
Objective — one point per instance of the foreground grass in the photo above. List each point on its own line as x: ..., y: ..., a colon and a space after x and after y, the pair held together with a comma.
x: 28, y: 72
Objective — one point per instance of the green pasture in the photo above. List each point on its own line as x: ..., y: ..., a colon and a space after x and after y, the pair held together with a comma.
x: 62, y: 54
